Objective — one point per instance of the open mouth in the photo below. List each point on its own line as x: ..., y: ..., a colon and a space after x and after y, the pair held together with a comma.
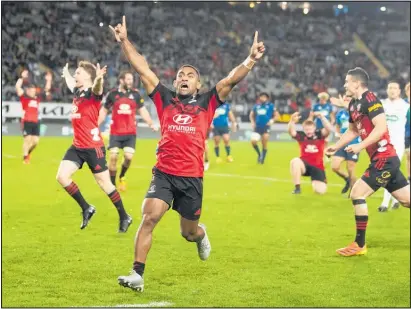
x: 184, y: 86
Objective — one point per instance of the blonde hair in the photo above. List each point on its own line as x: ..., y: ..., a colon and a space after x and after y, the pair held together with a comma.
x: 89, y: 68
x: 324, y: 95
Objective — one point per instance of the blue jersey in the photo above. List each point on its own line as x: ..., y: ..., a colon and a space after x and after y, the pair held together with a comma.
x: 342, y: 120
x: 221, y: 119
x: 325, y: 109
x: 263, y: 113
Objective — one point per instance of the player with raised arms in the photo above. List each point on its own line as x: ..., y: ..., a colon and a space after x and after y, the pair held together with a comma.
x: 185, y: 117
x: 367, y: 120
x: 88, y: 146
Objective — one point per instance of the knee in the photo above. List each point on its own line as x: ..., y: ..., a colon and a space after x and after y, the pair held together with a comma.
x: 322, y: 189
x: 63, y: 179
x: 128, y: 156
x: 113, y: 159
x: 150, y: 221
x: 294, y: 162
x: 335, y: 168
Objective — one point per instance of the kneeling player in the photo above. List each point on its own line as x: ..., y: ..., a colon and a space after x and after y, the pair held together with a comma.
x: 124, y: 102
x: 88, y: 144
x: 310, y: 163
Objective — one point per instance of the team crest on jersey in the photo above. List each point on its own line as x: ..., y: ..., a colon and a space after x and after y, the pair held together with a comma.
x: 186, y: 109
x: 74, y: 112
x: 82, y: 95
x: 131, y: 97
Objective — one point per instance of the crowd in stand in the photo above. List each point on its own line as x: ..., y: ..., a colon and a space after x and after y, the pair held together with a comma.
x: 305, y: 54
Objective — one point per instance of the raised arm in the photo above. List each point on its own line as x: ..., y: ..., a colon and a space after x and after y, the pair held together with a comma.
x: 291, y: 124
x: 225, y: 85
x: 328, y: 128
x: 136, y: 60
x: 19, y: 87
x: 97, y: 88
x: 70, y: 81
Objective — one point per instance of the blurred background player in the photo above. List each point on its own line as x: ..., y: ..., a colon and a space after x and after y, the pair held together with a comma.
x: 407, y: 130
x: 30, y: 117
x: 88, y: 146
x: 123, y: 102
x: 310, y: 163
x: 341, y: 125
x: 185, y: 118
x: 221, y: 129
x: 367, y: 120
x: 395, y: 109
x: 262, y: 116
x: 206, y: 158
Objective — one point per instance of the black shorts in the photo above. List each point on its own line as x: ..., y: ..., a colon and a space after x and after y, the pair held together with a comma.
x: 220, y: 131
x: 31, y: 128
x: 314, y: 172
x: 122, y: 141
x: 407, y: 142
x: 385, y: 173
x: 185, y: 194
x: 95, y: 158
x: 262, y: 130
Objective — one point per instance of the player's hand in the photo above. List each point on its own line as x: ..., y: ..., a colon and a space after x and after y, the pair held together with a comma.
x: 295, y: 117
x: 25, y: 74
x: 153, y: 127
x: 120, y: 31
x: 355, y: 149
x: 100, y: 72
x: 253, y: 125
x: 330, y: 151
x: 65, y: 71
x: 211, y: 126
x: 317, y: 114
x: 234, y: 127
x: 257, y: 49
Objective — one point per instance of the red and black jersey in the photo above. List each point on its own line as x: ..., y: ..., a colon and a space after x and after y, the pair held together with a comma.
x: 184, y: 123
x: 84, y: 117
x: 124, y: 106
x: 311, y: 148
x: 30, y: 108
x: 362, y: 111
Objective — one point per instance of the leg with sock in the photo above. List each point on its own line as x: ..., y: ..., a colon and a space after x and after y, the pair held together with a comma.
x: 124, y: 167
x: 118, y: 203
x: 75, y: 193
x: 217, y: 151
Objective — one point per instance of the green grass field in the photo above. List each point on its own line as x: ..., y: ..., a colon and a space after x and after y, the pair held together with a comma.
x: 270, y: 248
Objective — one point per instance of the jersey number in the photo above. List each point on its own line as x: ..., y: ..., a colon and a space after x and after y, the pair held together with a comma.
x: 96, y: 134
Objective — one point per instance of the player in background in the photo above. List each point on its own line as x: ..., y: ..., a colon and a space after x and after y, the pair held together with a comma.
x: 221, y: 129
x: 30, y: 118
x: 407, y: 130
x: 395, y: 109
x: 310, y: 163
x: 367, y: 120
x: 123, y: 102
x: 341, y: 125
x: 206, y: 158
x: 262, y: 116
x: 185, y: 116
x: 88, y: 146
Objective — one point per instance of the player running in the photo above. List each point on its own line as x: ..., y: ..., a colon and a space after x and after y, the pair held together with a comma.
x: 88, y: 146
x: 177, y: 181
x: 395, y: 109
x: 221, y: 129
x: 310, y: 163
x: 262, y: 116
x: 367, y: 120
x: 341, y: 124
x: 123, y: 102
x: 30, y: 120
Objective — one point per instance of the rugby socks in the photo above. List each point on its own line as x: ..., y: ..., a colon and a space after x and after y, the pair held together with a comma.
x: 124, y: 167
x: 257, y: 150
x: 264, y: 154
x: 139, y: 268
x: 118, y: 203
x: 228, y: 150
x: 113, y: 177
x: 361, y: 223
x: 217, y: 151
x: 74, y: 191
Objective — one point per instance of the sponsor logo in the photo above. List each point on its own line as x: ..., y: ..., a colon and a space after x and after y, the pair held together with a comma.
x: 33, y: 103
x: 152, y: 189
x: 311, y: 149
x: 124, y: 109
x: 383, y: 182
x: 392, y: 118
x: 376, y: 106
x: 386, y: 175
x: 182, y: 119
x: 261, y: 111
x: 193, y: 100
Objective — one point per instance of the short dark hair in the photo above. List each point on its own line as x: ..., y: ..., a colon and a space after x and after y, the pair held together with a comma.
x: 264, y: 94
x: 190, y: 66
x: 123, y: 74
x: 31, y: 85
x: 89, y: 68
x: 393, y: 81
x: 360, y: 74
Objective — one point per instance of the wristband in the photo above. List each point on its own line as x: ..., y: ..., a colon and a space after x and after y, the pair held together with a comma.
x: 249, y: 63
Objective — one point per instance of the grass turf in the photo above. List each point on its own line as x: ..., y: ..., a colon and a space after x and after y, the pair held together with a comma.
x: 270, y: 248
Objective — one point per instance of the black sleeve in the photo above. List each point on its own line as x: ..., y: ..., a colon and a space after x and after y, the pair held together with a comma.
x: 139, y: 100
x: 98, y: 97
x: 163, y: 93
x: 215, y: 93
x: 109, y: 100
x: 319, y: 134
x: 299, y: 136
x: 373, y: 106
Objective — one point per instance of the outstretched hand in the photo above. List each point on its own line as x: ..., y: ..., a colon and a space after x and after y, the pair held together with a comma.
x: 257, y: 49
x: 100, y: 72
x: 65, y: 71
x: 295, y: 117
x: 120, y: 31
